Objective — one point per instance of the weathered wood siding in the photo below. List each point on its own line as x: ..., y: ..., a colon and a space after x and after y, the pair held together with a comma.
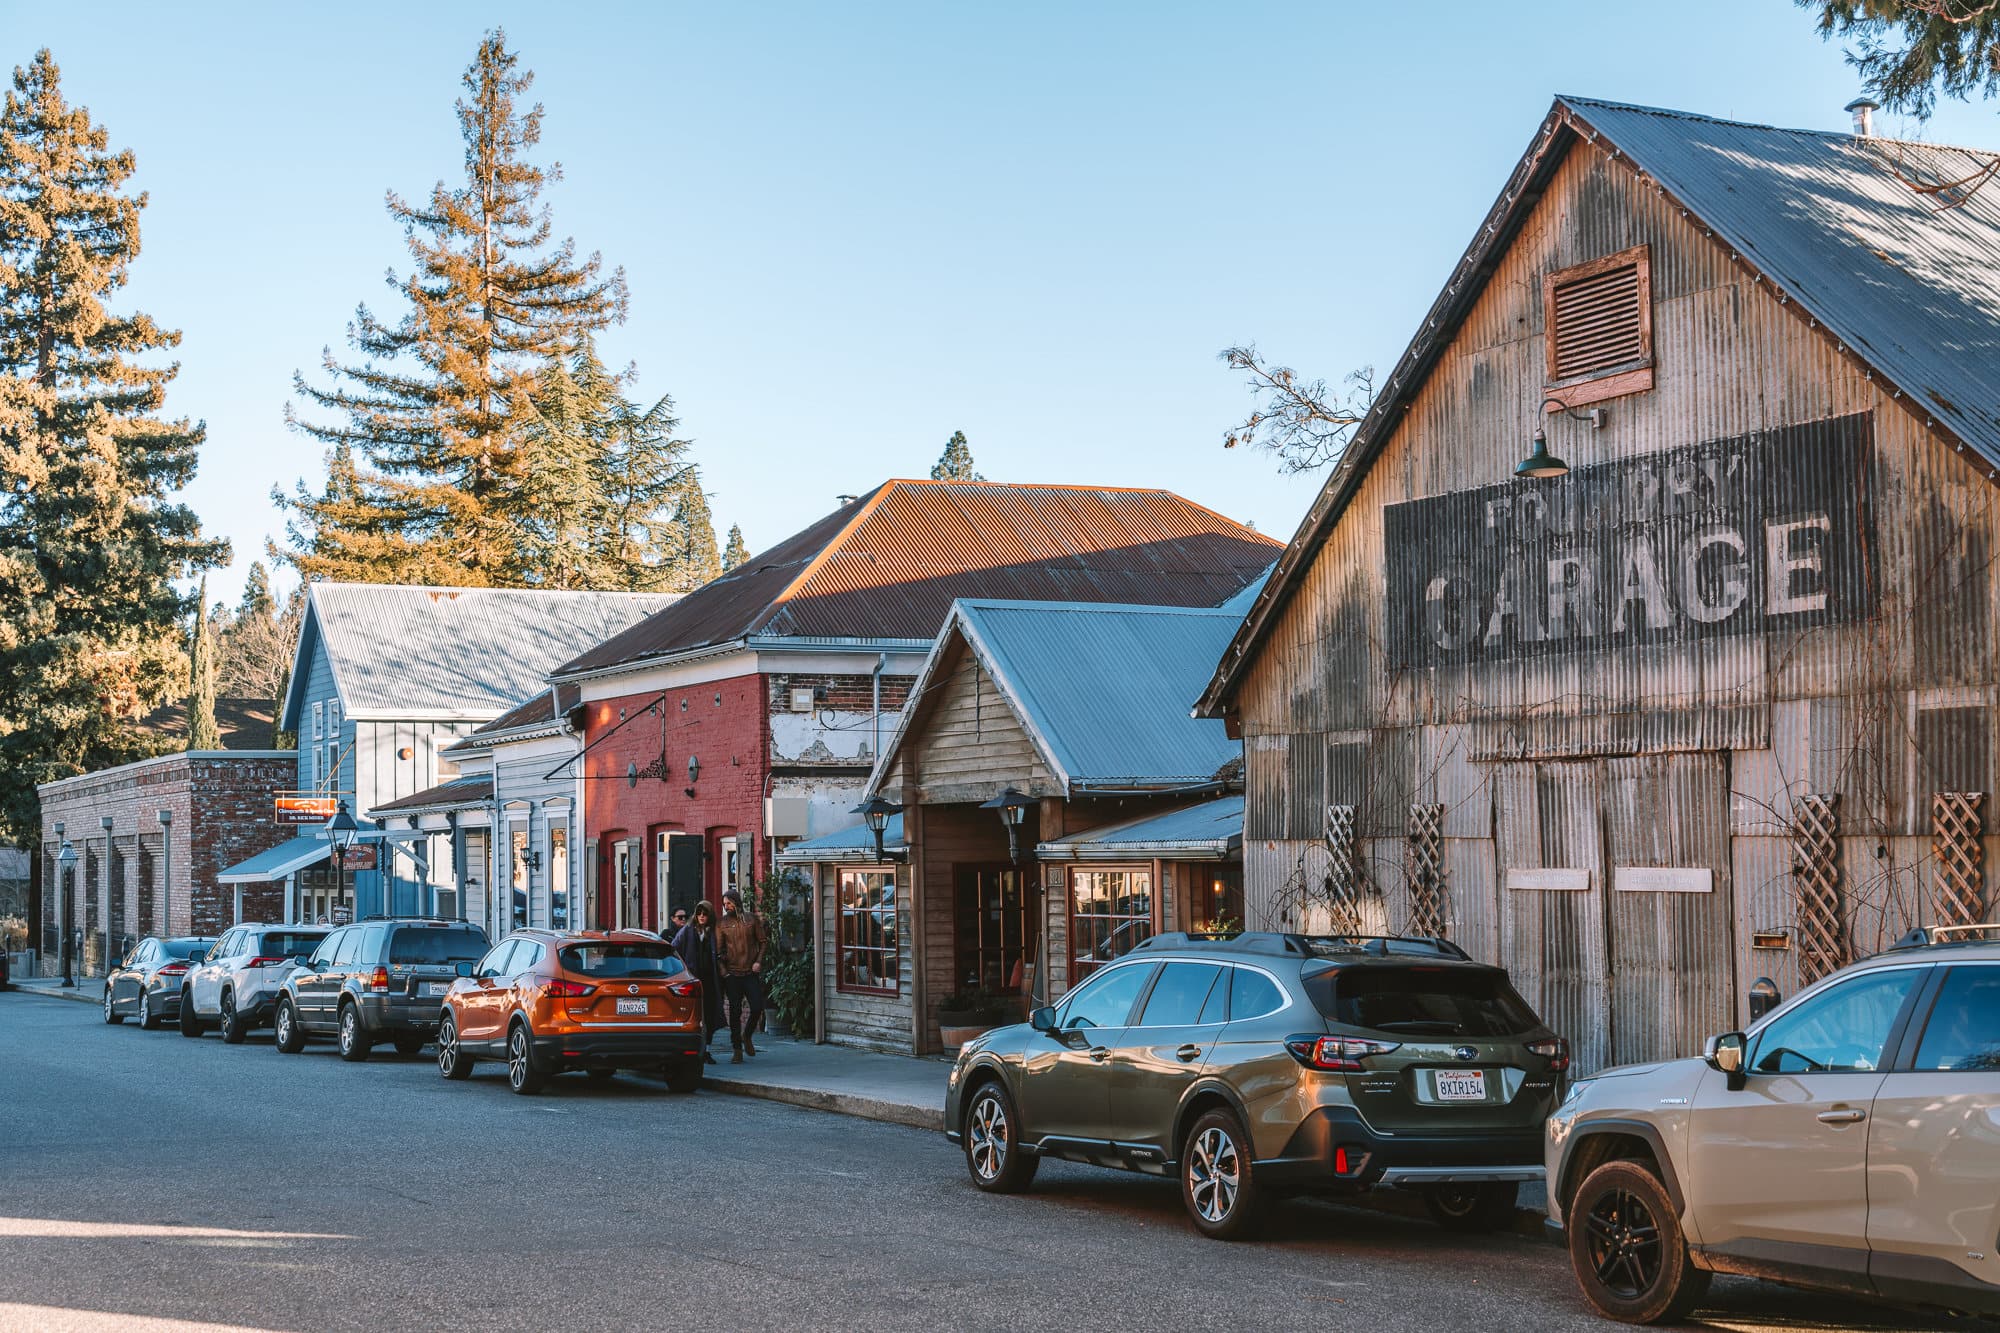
x: 1557, y: 757
x: 869, y: 1021
x: 970, y: 736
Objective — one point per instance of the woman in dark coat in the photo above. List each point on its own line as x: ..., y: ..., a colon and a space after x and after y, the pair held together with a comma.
x: 697, y: 949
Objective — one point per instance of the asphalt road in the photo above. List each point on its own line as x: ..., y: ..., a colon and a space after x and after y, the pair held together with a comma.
x: 147, y: 1177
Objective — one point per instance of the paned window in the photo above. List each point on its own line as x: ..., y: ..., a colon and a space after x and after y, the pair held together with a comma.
x: 559, y: 877
x: 319, y: 721
x: 1600, y: 327
x: 519, y: 844
x: 868, y: 932
x: 333, y: 718
x: 1111, y: 911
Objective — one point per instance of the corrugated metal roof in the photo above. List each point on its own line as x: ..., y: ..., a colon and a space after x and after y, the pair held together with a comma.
x: 1912, y: 290
x: 446, y: 795
x: 1105, y: 690
x: 1213, y: 828
x: 846, y: 844
x: 889, y: 565
x: 418, y: 652
x: 294, y: 854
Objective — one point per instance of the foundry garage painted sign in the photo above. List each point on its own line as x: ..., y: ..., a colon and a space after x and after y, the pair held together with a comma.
x: 1738, y: 536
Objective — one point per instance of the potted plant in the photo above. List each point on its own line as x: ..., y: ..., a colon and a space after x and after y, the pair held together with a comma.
x: 967, y: 1012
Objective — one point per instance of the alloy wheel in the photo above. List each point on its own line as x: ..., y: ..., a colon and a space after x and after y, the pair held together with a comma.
x: 517, y: 1057
x: 145, y: 1009
x: 447, y: 1047
x: 349, y: 1033
x: 282, y: 1028
x: 1624, y: 1244
x: 227, y: 1014
x: 989, y: 1137
x: 1213, y: 1172
x: 109, y: 1011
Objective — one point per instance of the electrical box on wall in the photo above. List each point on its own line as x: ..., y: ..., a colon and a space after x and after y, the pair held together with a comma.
x: 785, y: 816
x: 802, y: 699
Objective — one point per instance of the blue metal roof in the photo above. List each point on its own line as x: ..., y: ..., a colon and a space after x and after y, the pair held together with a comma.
x: 1211, y: 829
x: 1105, y: 690
x: 280, y: 861
x: 846, y: 844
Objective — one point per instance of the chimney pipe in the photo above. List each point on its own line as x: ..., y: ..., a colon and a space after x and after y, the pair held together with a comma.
x: 1863, y: 110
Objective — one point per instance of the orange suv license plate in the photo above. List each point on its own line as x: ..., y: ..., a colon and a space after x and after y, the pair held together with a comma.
x: 639, y: 1007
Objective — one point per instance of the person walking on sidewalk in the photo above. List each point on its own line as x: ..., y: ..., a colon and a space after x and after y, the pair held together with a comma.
x: 695, y: 942
x: 741, y: 937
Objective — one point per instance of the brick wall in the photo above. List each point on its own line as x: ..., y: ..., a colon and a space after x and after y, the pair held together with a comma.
x: 840, y: 694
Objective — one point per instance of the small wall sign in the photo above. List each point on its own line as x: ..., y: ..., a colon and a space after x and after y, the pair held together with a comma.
x: 1663, y: 879
x: 1548, y: 879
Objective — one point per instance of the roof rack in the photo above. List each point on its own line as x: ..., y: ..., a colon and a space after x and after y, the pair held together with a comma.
x: 1312, y: 946
x: 1924, y: 936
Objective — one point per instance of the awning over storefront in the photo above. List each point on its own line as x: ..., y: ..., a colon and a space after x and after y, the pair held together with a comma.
x: 280, y: 861
x: 1211, y: 831
x: 855, y: 844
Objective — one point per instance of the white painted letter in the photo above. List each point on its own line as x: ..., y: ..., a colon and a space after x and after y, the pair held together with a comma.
x: 1784, y: 599
x: 1733, y: 584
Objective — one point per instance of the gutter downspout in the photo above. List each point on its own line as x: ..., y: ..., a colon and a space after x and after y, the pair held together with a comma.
x: 881, y: 665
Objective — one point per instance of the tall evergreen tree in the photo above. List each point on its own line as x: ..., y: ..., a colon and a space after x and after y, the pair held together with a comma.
x: 202, y: 731
x: 256, y: 599
x: 955, y: 463
x: 432, y: 409
x: 691, y: 556
x: 91, y: 534
x: 737, y: 551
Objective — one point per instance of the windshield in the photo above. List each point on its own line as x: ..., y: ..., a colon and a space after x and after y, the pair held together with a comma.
x: 290, y: 943
x: 1422, y: 1001
x: 437, y: 945
x: 186, y: 948
x: 620, y: 960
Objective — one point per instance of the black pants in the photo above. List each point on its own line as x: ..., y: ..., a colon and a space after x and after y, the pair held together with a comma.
x: 743, y: 997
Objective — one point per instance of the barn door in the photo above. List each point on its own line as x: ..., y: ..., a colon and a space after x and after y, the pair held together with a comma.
x: 1672, y: 958
x: 1552, y: 899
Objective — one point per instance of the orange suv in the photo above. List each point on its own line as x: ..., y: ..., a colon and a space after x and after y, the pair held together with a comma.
x: 549, y: 1001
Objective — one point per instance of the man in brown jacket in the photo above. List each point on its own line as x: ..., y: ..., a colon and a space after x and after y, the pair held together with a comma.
x: 740, y: 938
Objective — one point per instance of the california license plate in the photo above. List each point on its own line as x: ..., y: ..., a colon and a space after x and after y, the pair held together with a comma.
x: 631, y: 1006
x: 436, y: 987
x: 1461, y: 1085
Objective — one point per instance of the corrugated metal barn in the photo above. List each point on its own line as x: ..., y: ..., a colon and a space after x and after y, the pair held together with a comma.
x: 1715, y: 702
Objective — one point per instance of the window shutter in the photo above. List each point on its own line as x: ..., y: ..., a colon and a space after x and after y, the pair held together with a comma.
x: 1600, y: 324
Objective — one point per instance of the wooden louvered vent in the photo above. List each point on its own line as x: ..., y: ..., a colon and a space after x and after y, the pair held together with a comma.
x: 1600, y: 328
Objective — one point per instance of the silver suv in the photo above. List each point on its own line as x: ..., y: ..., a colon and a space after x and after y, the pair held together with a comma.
x: 236, y: 987
x: 1845, y: 1142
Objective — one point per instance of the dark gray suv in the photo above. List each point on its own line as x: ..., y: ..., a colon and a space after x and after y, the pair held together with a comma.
x: 376, y: 981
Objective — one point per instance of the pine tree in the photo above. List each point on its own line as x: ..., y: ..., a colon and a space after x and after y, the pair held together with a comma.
x: 202, y: 732
x: 691, y: 557
x: 91, y: 534
x: 256, y: 599
x: 955, y: 463
x: 432, y: 411
x: 736, y: 552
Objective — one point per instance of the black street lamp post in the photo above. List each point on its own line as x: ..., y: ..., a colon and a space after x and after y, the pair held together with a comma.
x: 66, y: 870
x: 340, y: 831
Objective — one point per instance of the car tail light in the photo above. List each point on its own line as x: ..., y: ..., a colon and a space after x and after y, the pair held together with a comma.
x: 379, y: 979
x: 173, y: 969
x: 1343, y: 1054
x: 1555, y: 1049
x: 272, y: 961
x: 569, y: 990
x: 685, y: 989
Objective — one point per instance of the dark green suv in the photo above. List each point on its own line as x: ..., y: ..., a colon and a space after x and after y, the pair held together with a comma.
x: 1273, y: 1064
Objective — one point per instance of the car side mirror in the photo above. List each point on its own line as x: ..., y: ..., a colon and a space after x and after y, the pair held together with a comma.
x: 1725, y: 1054
x: 1043, y: 1019
x: 463, y: 969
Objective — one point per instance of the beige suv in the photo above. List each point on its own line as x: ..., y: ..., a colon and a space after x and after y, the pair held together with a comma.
x: 1850, y: 1140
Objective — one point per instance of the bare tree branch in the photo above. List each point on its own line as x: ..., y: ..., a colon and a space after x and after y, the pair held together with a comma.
x: 1304, y: 423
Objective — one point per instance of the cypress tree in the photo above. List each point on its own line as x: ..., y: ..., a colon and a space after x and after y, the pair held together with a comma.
x: 202, y: 732
x: 736, y: 552
x: 430, y: 412
x: 91, y: 534
x: 955, y: 463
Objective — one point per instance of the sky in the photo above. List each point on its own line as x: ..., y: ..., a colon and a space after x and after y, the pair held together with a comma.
x: 851, y: 229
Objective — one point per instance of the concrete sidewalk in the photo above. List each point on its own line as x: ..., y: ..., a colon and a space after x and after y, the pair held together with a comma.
x: 88, y: 990
x: 896, y: 1088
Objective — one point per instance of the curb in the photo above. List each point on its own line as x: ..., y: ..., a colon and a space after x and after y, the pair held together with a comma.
x: 839, y: 1103
x: 78, y: 993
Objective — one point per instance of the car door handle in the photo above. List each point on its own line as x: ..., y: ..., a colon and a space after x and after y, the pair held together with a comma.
x: 1189, y: 1052
x: 1847, y: 1116
x: 1100, y: 1053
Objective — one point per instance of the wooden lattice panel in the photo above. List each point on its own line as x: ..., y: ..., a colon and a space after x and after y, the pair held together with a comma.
x: 1822, y: 926
x: 1958, y: 893
x: 1425, y: 872
x: 1343, y: 881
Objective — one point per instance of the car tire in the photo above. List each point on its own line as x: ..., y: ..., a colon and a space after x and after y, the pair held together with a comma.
x: 148, y: 1020
x: 191, y: 1024
x: 1473, y: 1208
x: 453, y: 1062
x: 522, y: 1075
x: 1218, y: 1182
x: 285, y: 1026
x: 991, y: 1132
x: 111, y: 1014
x: 354, y: 1043
x: 684, y: 1075
x: 407, y: 1046
x: 1627, y: 1249
x: 234, y: 1029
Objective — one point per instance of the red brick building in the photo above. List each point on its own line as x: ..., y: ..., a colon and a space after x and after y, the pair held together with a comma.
x: 150, y: 839
x: 750, y: 713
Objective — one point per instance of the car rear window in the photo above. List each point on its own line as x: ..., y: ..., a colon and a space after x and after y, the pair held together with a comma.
x: 620, y: 960
x: 290, y: 943
x: 437, y: 944
x: 186, y: 948
x: 1422, y: 1001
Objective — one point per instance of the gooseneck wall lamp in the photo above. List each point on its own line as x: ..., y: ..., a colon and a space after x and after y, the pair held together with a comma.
x: 1540, y: 462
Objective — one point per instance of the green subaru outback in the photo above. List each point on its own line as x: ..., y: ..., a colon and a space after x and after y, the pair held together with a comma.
x: 1272, y: 1064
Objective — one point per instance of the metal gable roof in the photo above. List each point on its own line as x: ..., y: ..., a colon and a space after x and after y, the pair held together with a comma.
x: 451, y: 653
x: 1211, y: 829
x: 849, y: 844
x: 1910, y: 290
x: 470, y: 790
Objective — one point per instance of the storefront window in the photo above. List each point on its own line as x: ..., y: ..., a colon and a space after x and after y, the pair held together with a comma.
x: 868, y: 937
x: 1110, y: 912
x: 1215, y: 905
x: 519, y: 842
x: 559, y: 878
